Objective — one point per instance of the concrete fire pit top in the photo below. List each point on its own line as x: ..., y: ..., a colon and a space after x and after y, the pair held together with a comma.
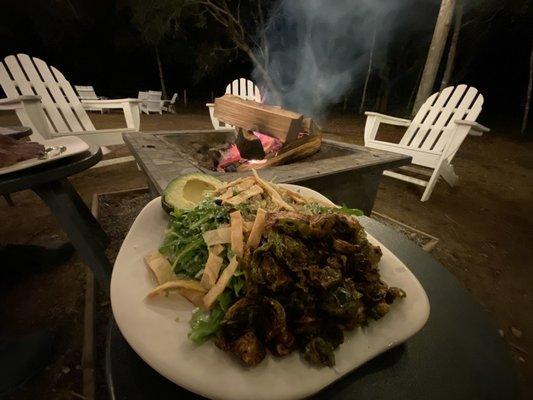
x: 165, y: 155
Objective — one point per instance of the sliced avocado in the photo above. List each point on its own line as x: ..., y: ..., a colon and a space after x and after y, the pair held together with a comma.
x: 184, y: 192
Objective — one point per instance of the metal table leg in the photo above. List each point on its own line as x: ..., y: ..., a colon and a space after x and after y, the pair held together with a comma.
x: 79, y: 224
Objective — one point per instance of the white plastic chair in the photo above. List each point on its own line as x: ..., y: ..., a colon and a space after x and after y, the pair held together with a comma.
x: 433, y: 136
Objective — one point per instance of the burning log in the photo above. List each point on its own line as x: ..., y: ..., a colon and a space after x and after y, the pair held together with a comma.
x: 249, y: 145
x: 266, y: 135
x: 252, y: 116
x: 297, y: 150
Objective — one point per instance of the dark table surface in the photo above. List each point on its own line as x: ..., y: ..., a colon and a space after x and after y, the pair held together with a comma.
x: 457, y: 355
x: 15, y: 132
x: 53, y: 170
x: 50, y: 182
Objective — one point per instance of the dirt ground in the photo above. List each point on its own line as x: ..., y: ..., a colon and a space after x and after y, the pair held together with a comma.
x: 484, y: 225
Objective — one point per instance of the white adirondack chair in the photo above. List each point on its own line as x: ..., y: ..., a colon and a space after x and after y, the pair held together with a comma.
x: 241, y: 87
x: 434, y: 135
x: 151, y: 102
x: 45, y: 101
x: 169, y: 105
x: 88, y: 93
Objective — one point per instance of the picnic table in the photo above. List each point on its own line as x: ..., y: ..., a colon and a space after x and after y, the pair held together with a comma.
x: 457, y: 355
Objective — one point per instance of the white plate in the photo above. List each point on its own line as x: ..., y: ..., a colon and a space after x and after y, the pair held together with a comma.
x: 73, y: 144
x: 157, y: 329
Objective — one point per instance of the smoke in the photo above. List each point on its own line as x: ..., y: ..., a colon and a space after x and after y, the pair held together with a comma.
x: 318, y: 48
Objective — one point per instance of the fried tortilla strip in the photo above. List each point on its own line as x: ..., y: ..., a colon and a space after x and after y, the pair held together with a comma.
x: 238, y: 184
x: 215, y: 291
x: 257, y: 229
x: 177, y: 284
x: 297, y: 197
x: 237, y: 240
x: 245, y: 195
x: 220, y: 235
x: 194, y: 296
x: 276, y: 198
x: 160, y: 266
x: 247, y: 226
x: 212, y: 267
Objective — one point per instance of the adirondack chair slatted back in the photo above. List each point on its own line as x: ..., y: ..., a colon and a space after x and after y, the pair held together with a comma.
x: 245, y: 89
x: 86, y: 92
x: 430, y: 128
x: 22, y: 75
x: 153, y: 101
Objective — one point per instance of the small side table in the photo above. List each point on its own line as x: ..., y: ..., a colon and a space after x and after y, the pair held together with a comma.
x: 50, y: 183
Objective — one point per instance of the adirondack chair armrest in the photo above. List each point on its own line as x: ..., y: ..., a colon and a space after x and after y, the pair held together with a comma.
x: 15, y: 103
x: 387, y: 119
x: 110, y: 103
x: 129, y: 106
x: 476, y: 128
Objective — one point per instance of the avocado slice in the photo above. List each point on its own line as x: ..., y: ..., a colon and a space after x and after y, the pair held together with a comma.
x: 186, y: 191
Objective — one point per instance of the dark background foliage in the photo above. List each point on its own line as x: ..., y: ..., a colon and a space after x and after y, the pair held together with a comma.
x: 95, y: 42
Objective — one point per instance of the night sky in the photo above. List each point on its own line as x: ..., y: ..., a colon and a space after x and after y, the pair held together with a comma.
x: 95, y: 43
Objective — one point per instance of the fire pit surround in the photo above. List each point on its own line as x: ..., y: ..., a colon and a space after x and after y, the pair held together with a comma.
x: 346, y: 174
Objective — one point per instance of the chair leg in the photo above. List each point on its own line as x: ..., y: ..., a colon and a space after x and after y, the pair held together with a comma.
x: 448, y: 173
x: 431, y: 184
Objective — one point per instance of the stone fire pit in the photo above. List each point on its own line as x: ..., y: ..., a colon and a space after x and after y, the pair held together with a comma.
x: 346, y: 174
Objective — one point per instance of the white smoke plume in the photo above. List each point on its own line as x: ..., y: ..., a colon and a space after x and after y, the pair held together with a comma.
x: 317, y: 48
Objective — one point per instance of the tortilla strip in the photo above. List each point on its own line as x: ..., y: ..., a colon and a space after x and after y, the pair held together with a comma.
x: 257, y: 229
x: 220, y: 235
x: 160, y: 266
x: 245, y: 195
x: 239, y: 184
x: 276, y: 198
x: 297, y: 197
x: 212, y: 268
x: 227, y: 194
x: 237, y: 240
x: 194, y: 296
x: 215, y: 291
x: 177, y: 284
x: 247, y: 226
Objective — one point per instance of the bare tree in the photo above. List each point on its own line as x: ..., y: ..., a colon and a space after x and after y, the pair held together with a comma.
x: 155, y: 20
x: 450, y: 60
x: 369, y: 71
x: 436, y: 48
x: 528, y: 94
x: 256, y: 49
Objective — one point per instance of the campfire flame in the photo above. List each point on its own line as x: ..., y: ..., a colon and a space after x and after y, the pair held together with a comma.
x: 271, y: 145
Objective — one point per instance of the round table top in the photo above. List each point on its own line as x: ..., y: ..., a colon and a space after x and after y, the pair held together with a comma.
x: 39, y: 174
x: 457, y: 355
x: 15, y: 132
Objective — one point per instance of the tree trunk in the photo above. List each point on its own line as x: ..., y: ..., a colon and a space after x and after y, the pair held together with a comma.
x: 450, y: 61
x: 413, y: 92
x: 438, y: 42
x: 528, y: 95
x: 369, y: 71
x: 161, y: 77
